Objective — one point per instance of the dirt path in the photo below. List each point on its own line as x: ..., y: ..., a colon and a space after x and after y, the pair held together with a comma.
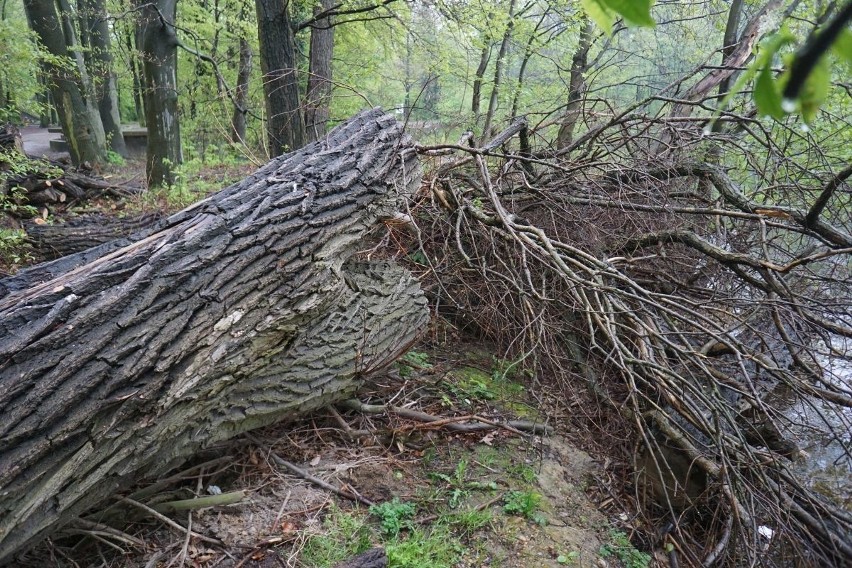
x: 37, y: 143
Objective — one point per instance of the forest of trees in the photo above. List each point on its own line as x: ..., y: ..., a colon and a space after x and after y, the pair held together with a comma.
x: 647, y: 201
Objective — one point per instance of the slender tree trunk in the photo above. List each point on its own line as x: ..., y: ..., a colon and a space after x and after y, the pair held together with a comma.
x: 101, y: 67
x: 476, y: 101
x: 238, y: 120
x: 498, y: 71
x: 276, y: 37
x: 133, y: 53
x: 83, y: 130
x: 577, y: 86
x: 240, y: 311
x: 158, y: 45
x: 318, y: 95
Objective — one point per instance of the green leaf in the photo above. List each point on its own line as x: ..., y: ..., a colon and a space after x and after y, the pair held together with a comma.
x: 600, y: 14
x: 637, y: 12
x: 843, y: 46
x: 815, y: 90
x: 767, y: 96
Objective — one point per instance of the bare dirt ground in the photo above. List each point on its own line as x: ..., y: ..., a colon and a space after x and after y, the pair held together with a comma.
x: 442, y: 499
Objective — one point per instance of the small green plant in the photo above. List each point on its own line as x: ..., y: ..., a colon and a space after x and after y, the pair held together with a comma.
x: 458, y: 485
x: 14, y: 248
x: 524, y: 504
x: 114, y: 158
x: 522, y: 472
x: 568, y: 559
x: 15, y: 203
x: 621, y: 547
x: 411, y: 361
x: 394, y: 516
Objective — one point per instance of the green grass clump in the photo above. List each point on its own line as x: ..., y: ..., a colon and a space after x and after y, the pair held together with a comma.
x: 343, y: 535
x: 435, y: 548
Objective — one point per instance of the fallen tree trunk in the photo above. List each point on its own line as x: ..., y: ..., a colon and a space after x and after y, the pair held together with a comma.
x: 82, y: 233
x: 237, y: 312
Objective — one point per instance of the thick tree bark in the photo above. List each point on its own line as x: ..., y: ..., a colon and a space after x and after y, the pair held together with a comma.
x: 237, y: 312
x: 102, y: 72
x: 276, y: 36
x: 157, y: 43
x: 82, y: 129
x: 318, y: 95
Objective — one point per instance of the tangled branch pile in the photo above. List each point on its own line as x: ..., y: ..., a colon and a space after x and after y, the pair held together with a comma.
x: 694, y: 292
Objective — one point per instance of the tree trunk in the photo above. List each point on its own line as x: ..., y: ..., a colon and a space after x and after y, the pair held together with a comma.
x: 83, y: 134
x: 498, y: 72
x: 157, y: 42
x: 318, y: 96
x: 61, y: 239
x: 577, y: 84
x: 132, y: 53
x: 237, y: 312
x: 238, y: 120
x: 276, y: 37
x: 103, y: 74
x: 476, y: 98
x: 79, y: 51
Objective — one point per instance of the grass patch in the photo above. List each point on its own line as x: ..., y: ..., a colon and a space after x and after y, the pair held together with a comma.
x: 434, y: 548
x: 343, y: 535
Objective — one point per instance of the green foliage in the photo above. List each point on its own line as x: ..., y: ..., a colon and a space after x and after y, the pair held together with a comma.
x: 15, y: 203
x: 114, y: 158
x: 568, y: 559
x: 411, y: 361
x: 437, y: 548
x: 604, y: 12
x: 524, y: 504
x: 343, y: 535
x: 621, y: 547
x: 14, y: 248
x: 19, y: 65
x: 394, y: 516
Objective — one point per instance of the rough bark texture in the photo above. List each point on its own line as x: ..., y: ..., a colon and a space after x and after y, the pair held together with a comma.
x: 239, y: 311
x: 82, y: 233
x: 158, y: 47
x: 318, y: 94
x: 276, y: 37
x: 83, y: 133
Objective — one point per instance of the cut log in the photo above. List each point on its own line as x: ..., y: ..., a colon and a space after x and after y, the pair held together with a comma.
x: 241, y: 310
x: 85, y: 232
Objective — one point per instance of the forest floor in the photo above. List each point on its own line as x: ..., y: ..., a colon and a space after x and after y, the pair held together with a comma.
x: 497, y: 497
x: 493, y: 498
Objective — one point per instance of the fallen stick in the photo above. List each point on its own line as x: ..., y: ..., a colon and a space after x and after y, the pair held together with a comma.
x: 307, y: 476
x: 520, y: 427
